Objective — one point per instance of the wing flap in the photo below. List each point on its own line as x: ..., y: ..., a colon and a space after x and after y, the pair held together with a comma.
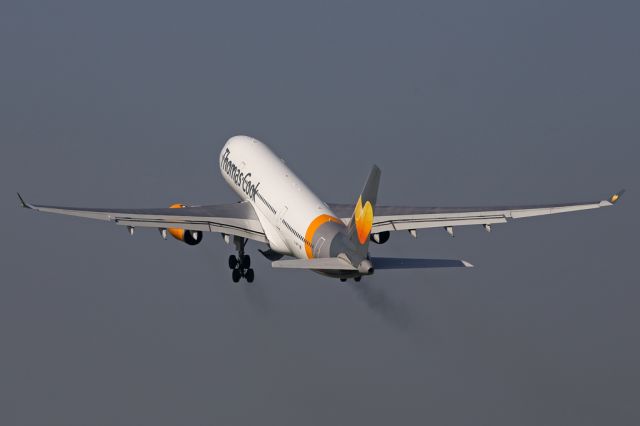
x: 517, y: 214
x: 241, y: 228
x: 405, y: 223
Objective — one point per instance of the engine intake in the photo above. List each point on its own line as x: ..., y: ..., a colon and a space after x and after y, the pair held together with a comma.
x: 380, y: 237
x: 185, y: 235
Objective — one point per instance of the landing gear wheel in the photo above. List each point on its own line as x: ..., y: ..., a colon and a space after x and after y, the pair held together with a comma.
x: 343, y: 279
x: 357, y: 279
x: 240, y: 264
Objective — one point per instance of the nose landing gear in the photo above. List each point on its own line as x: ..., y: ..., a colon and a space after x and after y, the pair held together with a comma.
x: 241, y: 264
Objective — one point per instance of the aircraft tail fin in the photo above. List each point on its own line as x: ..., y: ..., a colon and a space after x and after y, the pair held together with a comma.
x: 362, y: 217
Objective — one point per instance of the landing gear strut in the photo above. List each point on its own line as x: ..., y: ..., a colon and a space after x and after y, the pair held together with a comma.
x: 241, y: 264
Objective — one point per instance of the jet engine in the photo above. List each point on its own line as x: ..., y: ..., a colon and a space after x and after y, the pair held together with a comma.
x: 380, y: 237
x: 185, y: 235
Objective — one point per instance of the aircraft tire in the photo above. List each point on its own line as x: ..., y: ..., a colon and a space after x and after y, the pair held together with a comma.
x: 249, y: 275
x: 236, y: 275
x: 233, y: 262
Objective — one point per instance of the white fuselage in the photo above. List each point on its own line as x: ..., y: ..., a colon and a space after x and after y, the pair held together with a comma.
x: 285, y: 206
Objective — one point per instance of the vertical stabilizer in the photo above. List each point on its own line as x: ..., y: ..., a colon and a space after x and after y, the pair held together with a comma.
x: 362, y: 218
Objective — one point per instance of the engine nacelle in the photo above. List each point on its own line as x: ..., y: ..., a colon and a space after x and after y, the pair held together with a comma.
x: 185, y: 235
x: 380, y: 237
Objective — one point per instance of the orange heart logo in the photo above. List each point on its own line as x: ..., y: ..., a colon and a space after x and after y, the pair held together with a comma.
x: 364, y: 220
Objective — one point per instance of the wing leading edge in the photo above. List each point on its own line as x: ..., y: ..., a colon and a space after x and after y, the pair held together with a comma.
x: 396, y: 218
x: 235, y: 219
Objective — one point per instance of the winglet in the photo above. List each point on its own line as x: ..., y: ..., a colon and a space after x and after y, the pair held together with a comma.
x: 24, y: 204
x: 615, y: 197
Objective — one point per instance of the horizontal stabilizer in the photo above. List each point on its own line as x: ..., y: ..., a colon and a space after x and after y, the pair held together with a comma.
x: 328, y: 263
x: 403, y: 263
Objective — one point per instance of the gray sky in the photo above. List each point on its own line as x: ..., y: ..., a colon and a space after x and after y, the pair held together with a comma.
x: 127, y: 104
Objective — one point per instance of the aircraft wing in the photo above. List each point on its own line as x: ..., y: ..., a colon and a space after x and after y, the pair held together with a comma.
x: 234, y: 219
x: 396, y: 218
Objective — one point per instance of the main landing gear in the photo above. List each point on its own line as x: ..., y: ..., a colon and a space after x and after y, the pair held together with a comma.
x: 241, y: 264
x: 356, y: 279
x: 241, y: 268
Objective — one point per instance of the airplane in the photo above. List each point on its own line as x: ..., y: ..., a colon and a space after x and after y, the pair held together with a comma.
x: 276, y: 208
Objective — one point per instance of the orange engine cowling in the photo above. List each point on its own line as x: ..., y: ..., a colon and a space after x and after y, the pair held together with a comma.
x: 190, y: 237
